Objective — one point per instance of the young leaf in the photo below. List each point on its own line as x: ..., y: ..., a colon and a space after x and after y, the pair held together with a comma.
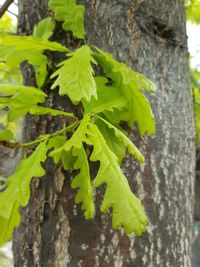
x: 24, y: 100
x: 77, y: 138
x: 35, y: 58
x: 44, y: 29
x: 75, y: 76
x: 35, y: 95
x: 21, y: 43
x: 24, y: 97
x: 132, y: 149
x: 127, y: 209
x: 130, y: 84
x: 17, y: 192
x: 8, y: 224
x: 6, y: 135
x: 108, y: 98
x: 66, y: 157
x: 82, y: 180
x: 118, y: 148
x: 72, y: 15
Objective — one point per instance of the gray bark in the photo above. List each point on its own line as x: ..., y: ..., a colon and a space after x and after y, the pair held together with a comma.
x: 148, y: 35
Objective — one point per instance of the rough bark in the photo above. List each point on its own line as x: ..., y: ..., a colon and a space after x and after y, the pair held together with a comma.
x: 149, y: 35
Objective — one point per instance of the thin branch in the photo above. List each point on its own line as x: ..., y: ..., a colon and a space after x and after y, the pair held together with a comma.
x: 12, y: 13
x: 5, y: 7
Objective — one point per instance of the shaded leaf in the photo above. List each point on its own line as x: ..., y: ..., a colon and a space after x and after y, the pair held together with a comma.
x: 108, y: 98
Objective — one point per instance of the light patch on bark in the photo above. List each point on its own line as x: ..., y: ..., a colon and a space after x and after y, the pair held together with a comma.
x: 62, y: 255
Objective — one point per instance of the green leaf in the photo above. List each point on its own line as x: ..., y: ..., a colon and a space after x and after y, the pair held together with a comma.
x: 129, y: 84
x: 24, y: 97
x: 108, y: 98
x: 118, y: 148
x: 28, y: 42
x: 72, y: 15
x: 7, y: 225
x: 127, y: 209
x: 6, y: 135
x: 30, y: 92
x: 17, y: 192
x: 75, y: 76
x: 77, y: 138
x: 132, y: 149
x: 66, y: 157
x: 82, y: 180
x: 44, y: 29
x: 24, y: 100
x: 192, y: 8
x: 35, y: 58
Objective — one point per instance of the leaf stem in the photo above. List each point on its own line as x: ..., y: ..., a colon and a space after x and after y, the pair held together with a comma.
x: 48, y: 136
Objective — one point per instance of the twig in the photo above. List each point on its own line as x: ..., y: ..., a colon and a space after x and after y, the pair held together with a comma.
x: 12, y: 13
x: 5, y: 7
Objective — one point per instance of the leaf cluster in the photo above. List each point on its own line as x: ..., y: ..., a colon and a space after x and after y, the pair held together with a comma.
x: 110, y: 99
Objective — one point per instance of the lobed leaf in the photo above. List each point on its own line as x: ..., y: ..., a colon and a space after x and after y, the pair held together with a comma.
x: 44, y: 29
x: 108, y: 98
x: 71, y: 14
x: 77, y: 138
x: 129, y: 83
x: 75, y: 76
x: 118, y: 148
x: 127, y: 209
x: 35, y: 58
x: 21, y: 43
x: 66, y: 157
x: 132, y: 149
x: 83, y: 181
x: 17, y: 192
x: 24, y: 100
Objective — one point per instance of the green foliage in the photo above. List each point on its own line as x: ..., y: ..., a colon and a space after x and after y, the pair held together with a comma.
x: 122, y: 138
x: 106, y: 100
x: 127, y: 209
x: 193, y: 10
x: 44, y: 29
x: 129, y: 83
x: 75, y: 76
x: 82, y: 180
x: 21, y: 43
x: 17, y: 192
x: 6, y: 24
x: 25, y: 99
x: 6, y: 135
x: 16, y: 49
x: 35, y: 58
x: 72, y: 15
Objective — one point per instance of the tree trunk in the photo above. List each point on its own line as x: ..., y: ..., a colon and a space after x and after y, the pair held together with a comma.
x: 148, y: 35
